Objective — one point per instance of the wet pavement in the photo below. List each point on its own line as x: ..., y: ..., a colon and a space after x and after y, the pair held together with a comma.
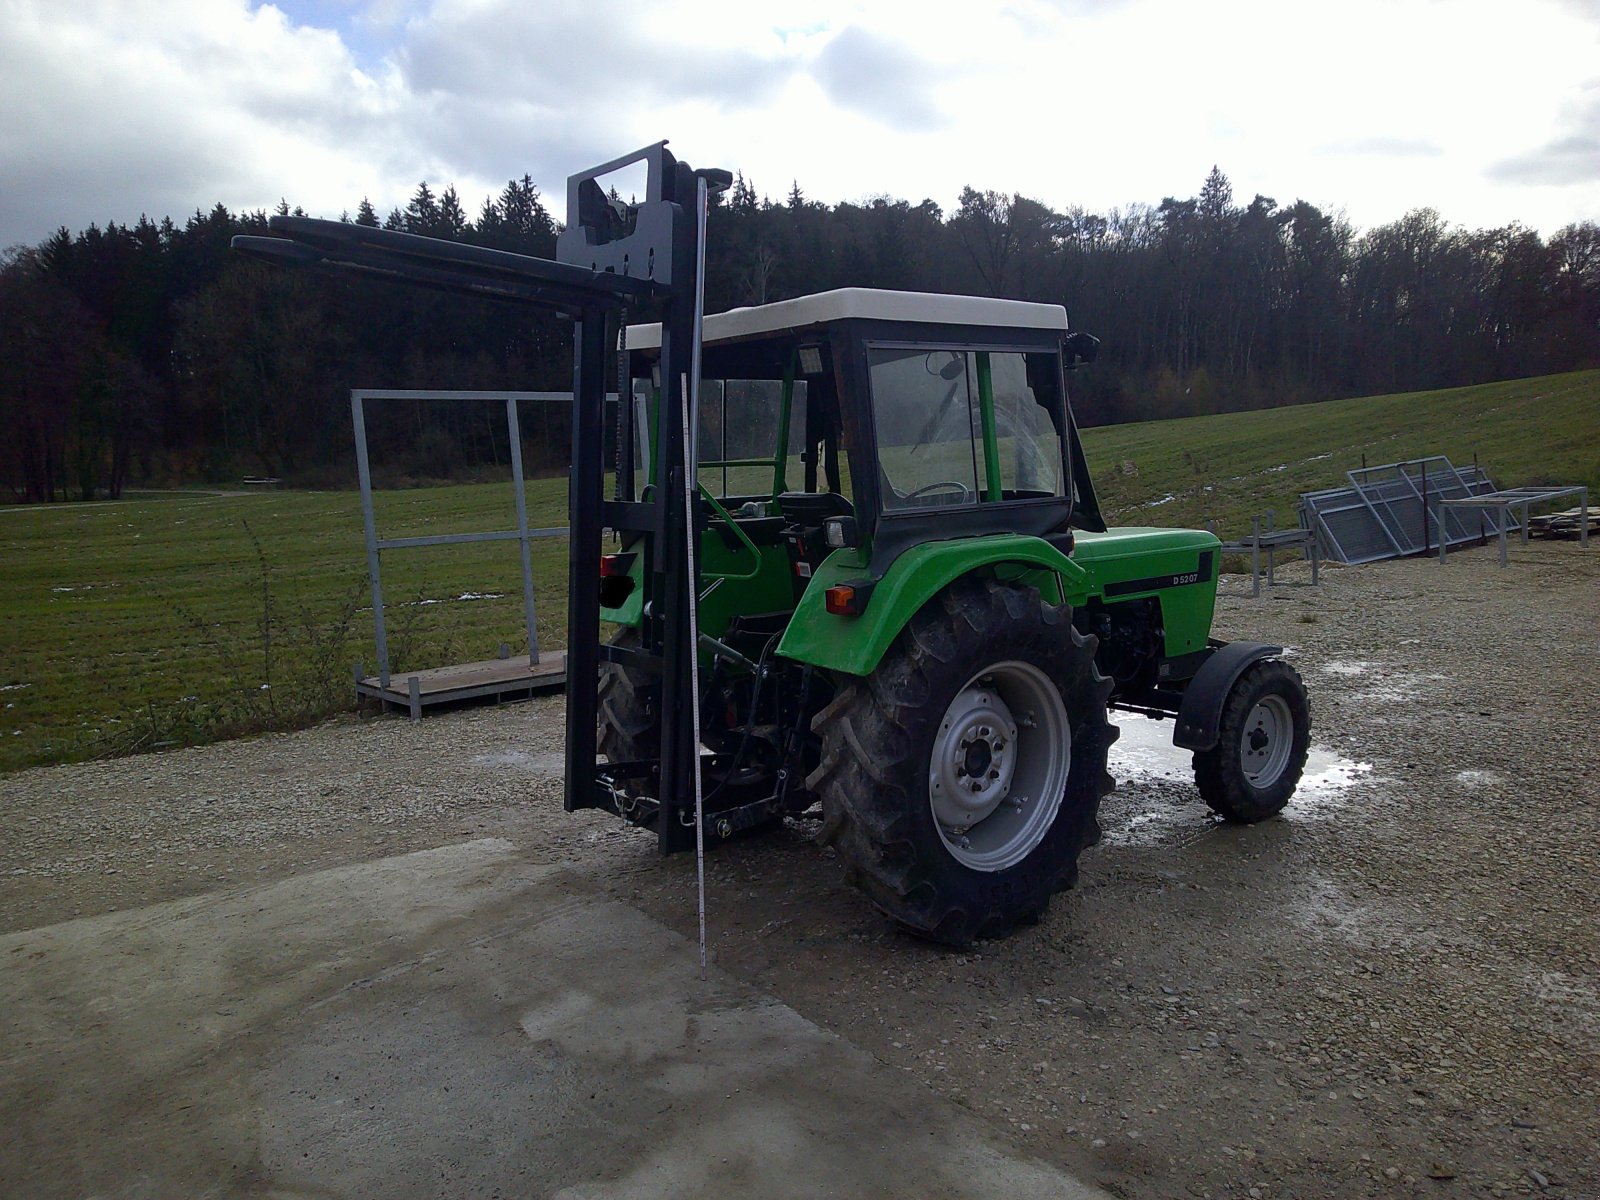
x: 450, y: 1022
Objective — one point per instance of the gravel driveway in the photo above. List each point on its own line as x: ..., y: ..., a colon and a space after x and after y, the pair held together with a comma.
x: 1393, y: 990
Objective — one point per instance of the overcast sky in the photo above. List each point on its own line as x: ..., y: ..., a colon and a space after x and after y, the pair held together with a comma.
x: 1489, y: 112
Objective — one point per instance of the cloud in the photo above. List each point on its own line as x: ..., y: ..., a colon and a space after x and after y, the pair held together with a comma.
x: 122, y: 107
x: 502, y: 82
x: 117, y: 108
x: 872, y: 75
x: 1572, y: 158
x: 1559, y: 163
x: 1385, y: 147
x: 1583, y: 8
x: 570, y: 54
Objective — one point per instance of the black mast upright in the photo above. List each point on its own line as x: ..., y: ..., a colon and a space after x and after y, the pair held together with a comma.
x: 661, y: 242
x: 609, y: 257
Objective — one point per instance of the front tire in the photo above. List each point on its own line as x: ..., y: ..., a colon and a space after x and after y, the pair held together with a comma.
x: 1263, y: 737
x: 962, y: 779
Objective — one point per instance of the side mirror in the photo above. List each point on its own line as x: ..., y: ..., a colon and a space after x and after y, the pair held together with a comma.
x: 1081, y: 348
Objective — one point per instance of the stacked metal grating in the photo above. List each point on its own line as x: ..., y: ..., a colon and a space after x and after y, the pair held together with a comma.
x: 1391, y: 511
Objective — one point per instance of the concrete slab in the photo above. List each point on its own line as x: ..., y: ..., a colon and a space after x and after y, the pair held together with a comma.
x: 449, y: 1023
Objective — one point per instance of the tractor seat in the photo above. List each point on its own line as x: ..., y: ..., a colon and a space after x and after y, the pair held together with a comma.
x: 810, y: 509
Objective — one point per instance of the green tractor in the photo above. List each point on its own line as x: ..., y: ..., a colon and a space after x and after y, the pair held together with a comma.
x: 842, y: 553
x: 911, y: 613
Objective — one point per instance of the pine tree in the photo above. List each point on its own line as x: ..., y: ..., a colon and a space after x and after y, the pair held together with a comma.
x: 422, y: 214
x: 743, y: 197
x: 489, y: 223
x: 1216, y: 196
x: 452, y: 221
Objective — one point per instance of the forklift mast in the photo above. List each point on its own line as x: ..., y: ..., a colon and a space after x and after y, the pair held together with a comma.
x: 610, y: 258
x: 664, y: 241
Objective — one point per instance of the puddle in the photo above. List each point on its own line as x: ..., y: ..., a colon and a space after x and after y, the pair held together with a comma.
x: 1379, y: 684
x: 548, y: 763
x: 1349, y: 669
x: 1364, y: 920
x: 1572, y: 1000
x: 465, y: 597
x: 1327, y: 774
x: 1145, y: 748
x: 1172, y: 811
x: 1324, y: 909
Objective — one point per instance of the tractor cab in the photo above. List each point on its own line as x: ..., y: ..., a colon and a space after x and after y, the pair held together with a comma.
x: 869, y: 422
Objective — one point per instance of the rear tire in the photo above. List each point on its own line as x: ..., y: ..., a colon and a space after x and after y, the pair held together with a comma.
x: 629, y: 725
x: 1263, y: 737
x: 927, y: 765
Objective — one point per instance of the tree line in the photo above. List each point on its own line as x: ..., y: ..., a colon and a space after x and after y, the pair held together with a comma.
x: 151, y: 353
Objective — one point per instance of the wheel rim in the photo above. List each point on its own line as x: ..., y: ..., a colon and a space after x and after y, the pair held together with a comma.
x: 1266, y: 742
x: 999, y: 766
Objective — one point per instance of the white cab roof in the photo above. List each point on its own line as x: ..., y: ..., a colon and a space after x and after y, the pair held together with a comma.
x: 872, y: 304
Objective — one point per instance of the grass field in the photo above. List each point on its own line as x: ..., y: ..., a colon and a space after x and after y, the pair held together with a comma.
x: 172, y: 618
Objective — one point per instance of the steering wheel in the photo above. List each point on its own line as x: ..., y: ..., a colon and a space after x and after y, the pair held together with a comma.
x: 967, y: 494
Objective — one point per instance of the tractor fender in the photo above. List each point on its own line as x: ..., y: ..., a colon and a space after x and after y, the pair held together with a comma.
x: 853, y: 645
x: 1201, y: 710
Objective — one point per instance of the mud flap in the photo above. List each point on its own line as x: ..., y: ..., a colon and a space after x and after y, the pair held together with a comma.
x: 1201, y: 710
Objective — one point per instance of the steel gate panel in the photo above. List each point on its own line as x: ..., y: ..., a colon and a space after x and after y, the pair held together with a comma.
x: 1392, y: 510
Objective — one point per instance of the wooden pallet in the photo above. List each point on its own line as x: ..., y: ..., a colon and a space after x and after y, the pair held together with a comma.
x: 495, y: 677
x: 1566, y: 524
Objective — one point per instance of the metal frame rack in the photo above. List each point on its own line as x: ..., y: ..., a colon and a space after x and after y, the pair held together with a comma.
x: 1265, y: 536
x: 1505, y: 504
x: 493, y: 677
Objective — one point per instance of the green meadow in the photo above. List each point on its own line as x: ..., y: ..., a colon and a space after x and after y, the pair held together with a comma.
x: 181, y: 617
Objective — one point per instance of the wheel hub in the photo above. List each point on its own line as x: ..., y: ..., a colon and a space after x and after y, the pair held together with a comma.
x: 979, y: 755
x: 974, y: 759
x: 999, y: 765
x: 1267, y: 743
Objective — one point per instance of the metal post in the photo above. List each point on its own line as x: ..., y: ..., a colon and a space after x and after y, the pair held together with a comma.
x: 1272, y: 547
x: 585, y: 488
x: 1443, y: 541
x: 692, y: 422
x: 358, y: 418
x: 1255, y: 556
x: 1425, y: 543
x: 1583, y: 519
x: 522, y: 529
